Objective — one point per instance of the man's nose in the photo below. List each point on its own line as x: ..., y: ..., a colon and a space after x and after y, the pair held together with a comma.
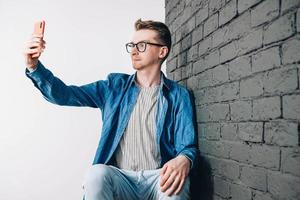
x: 134, y: 51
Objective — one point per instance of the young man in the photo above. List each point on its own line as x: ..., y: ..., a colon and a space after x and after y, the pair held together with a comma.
x: 148, y: 142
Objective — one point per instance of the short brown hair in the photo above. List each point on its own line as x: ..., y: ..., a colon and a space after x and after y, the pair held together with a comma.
x: 164, y: 34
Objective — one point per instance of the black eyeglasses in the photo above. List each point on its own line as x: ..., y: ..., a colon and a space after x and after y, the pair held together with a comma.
x: 140, y: 46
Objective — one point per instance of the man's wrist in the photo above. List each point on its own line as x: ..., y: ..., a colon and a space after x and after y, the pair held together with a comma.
x: 186, y: 158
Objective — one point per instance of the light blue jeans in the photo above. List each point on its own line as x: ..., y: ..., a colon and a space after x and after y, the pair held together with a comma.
x: 106, y: 182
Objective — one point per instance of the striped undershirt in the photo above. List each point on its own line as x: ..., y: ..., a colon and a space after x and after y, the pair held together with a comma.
x: 137, y: 149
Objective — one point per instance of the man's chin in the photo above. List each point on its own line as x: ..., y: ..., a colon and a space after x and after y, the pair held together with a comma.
x: 137, y: 67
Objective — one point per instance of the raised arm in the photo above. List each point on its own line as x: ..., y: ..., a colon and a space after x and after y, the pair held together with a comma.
x: 55, y: 90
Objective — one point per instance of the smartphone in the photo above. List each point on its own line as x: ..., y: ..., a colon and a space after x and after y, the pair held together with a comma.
x: 39, y: 28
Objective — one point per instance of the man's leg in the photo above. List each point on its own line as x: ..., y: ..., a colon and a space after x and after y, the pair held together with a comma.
x: 152, y: 187
x: 104, y: 182
x: 184, y: 194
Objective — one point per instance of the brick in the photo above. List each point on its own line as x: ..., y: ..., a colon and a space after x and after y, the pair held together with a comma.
x: 252, y: 87
x: 170, y: 75
x: 265, y: 11
x: 260, y: 155
x: 240, y: 152
x: 214, y: 148
x: 192, y: 53
x: 282, y: 133
x: 172, y: 64
x: 228, y: 12
x: 288, y: 4
x: 251, y: 131
x: 255, y: 178
x: 215, y: 5
x: 199, y: 66
x: 224, y: 168
x: 257, y: 195
x: 239, y: 67
x: 290, y: 51
x: 177, y: 23
x: 219, y: 74
x: 204, y: 46
x: 219, y: 112
x: 212, y: 131
x: 210, y: 95
x: 181, y: 60
x: 229, y: 131
x: 197, y: 34
x: 210, y: 25
x: 280, y: 80
x: 186, y: 42
x: 188, y: 71
x: 266, y: 59
x: 212, y: 59
x: 245, y: 4
x: 291, y: 107
x: 228, y: 91
x: 187, y: 12
x: 280, y: 29
x: 265, y: 156
x: 221, y: 187
x: 177, y: 74
x: 250, y: 42
x: 205, y: 79
x: 202, y: 114
x: 185, y: 29
x: 199, y: 96
x: 192, y: 82
x: 218, y: 37
x: 239, y: 26
x: 290, y: 161
x: 174, y: 50
x: 241, y: 110
x: 283, y: 186
x: 202, y: 14
x: 229, y: 51
x: 213, y: 112
x: 239, y: 192
x: 266, y: 108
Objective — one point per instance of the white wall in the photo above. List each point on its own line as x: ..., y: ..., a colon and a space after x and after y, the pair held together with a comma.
x: 46, y: 149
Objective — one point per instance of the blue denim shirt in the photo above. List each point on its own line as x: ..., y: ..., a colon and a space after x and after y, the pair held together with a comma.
x: 116, y: 97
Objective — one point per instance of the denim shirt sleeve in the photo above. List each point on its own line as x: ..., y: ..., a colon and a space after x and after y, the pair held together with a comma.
x: 56, y: 91
x: 185, y: 133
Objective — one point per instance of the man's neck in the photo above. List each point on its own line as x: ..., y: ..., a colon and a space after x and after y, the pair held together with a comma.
x: 148, y: 78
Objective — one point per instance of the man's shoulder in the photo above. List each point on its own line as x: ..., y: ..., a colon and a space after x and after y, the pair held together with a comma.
x: 118, y: 80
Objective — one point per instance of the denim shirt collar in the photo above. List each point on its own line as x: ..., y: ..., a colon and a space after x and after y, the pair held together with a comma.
x: 163, y: 80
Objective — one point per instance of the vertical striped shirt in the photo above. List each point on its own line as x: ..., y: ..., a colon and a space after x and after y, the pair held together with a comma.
x: 138, y: 149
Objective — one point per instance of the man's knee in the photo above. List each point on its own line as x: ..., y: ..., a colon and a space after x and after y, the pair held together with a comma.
x: 183, y: 194
x: 99, y: 175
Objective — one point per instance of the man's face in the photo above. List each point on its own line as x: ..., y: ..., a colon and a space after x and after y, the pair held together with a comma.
x: 151, y: 56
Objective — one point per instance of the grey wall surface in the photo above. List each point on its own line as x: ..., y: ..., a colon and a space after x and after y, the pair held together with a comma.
x: 240, y: 58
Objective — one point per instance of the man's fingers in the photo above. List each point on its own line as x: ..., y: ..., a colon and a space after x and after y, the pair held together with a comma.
x: 165, y: 177
x: 37, y: 36
x: 180, y: 186
x: 168, y: 182
x: 174, y: 186
x: 163, y: 170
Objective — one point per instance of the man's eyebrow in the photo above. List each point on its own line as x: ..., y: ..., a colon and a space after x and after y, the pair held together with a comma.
x: 142, y: 41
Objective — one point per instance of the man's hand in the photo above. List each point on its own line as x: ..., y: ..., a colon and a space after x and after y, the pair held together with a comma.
x: 173, y: 174
x: 33, y: 49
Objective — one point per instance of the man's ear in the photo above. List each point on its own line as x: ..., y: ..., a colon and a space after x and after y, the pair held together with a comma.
x: 163, y: 52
